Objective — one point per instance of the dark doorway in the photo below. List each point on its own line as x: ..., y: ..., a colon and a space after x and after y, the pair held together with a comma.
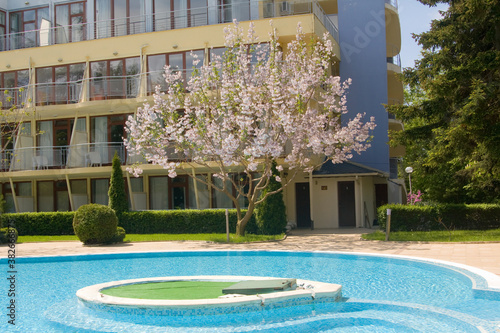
x: 347, y: 205
x: 303, y: 205
x: 381, y: 195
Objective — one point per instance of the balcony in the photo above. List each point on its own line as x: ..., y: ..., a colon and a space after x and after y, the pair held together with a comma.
x: 200, y: 16
x: 10, y: 97
x: 61, y: 157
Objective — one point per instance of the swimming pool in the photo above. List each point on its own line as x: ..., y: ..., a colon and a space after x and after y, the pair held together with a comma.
x: 381, y: 294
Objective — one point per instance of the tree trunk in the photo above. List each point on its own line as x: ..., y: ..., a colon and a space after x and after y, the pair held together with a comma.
x: 242, y: 223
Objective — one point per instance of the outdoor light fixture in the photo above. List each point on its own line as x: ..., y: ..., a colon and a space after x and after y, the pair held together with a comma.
x: 115, y: 53
x: 175, y: 46
x: 409, y: 171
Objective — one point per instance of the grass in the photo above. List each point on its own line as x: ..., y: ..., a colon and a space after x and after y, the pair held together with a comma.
x: 172, y: 290
x: 439, y: 236
x: 221, y: 238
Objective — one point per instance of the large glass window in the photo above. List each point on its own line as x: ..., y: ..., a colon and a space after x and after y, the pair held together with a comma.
x: 70, y: 22
x: 99, y: 189
x: 168, y: 193
x: 234, y: 9
x: 52, y: 196
x: 10, y: 84
x: 59, y: 84
x: 114, y: 79
x: 177, y: 14
x: 30, y: 28
x: 119, y: 17
x: 3, y: 30
x: 106, y: 134
x: 177, y: 61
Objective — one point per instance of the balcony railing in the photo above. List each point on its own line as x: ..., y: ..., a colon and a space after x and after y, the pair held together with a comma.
x: 114, y: 87
x: 58, y: 92
x: 60, y: 157
x: 210, y: 15
x: 396, y: 60
x: 10, y: 97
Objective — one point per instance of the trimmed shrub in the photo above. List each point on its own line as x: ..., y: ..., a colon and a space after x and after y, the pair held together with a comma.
x: 119, y: 235
x: 8, y: 235
x: 454, y: 216
x: 116, y: 193
x: 95, y: 224
x: 271, y: 213
x: 188, y: 221
x: 43, y: 223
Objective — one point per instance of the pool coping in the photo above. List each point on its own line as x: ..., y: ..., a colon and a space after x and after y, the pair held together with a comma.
x: 309, y: 291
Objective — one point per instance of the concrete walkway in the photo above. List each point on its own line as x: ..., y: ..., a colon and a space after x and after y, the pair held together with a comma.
x: 485, y: 256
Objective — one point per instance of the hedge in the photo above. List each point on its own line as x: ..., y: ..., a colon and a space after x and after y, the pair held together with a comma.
x: 454, y: 216
x: 37, y: 224
x: 143, y: 222
x: 184, y: 221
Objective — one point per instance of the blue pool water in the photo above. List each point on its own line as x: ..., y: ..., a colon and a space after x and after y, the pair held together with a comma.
x: 381, y: 294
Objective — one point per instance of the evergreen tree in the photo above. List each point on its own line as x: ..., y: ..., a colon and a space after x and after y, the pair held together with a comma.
x: 452, y: 133
x: 117, y: 197
x: 271, y: 214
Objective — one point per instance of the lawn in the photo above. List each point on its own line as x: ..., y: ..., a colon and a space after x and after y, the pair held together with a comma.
x: 233, y: 238
x: 439, y: 236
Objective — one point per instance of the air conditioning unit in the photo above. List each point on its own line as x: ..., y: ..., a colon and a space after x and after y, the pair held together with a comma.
x: 285, y: 8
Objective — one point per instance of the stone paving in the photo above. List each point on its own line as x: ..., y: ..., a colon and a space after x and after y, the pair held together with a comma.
x: 485, y: 255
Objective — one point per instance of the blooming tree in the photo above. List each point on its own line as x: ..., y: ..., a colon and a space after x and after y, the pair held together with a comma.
x: 254, y: 105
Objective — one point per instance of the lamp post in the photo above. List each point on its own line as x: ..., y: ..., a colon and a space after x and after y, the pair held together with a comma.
x: 409, y: 171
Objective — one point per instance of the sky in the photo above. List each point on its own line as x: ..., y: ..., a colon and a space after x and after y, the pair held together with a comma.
x: 414, y: 18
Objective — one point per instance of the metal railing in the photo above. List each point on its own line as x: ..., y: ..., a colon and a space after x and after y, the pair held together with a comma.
x: 57, y: 92
x: 60, y: 157
x: 10, y: 97
x: 210, y: 15
x: 114, y: 87
x: 396, y: 60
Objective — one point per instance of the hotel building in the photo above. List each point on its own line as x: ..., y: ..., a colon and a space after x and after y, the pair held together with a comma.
x: 80, y: 68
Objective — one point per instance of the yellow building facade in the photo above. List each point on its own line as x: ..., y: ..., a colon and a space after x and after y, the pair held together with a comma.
x: 79, y: 69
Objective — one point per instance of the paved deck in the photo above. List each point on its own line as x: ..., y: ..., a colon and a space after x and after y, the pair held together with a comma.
x: 485, y: 256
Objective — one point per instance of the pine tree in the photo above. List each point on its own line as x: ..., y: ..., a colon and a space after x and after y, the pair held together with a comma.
x: 117, y: 197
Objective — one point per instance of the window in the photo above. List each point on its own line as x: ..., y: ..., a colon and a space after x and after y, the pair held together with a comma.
x: 178, y: 61
x: 70, y: 22
x: 119, y: 17
x: 52, y: 196
x: 168, y: 193
x: 30, y: 28
x: 2, y: 30
x: 115, y: 79
x: 10, y: 84
x: 21, y: 189
x: 177, y: 14
x: 234, y: 9
x: 59, y: 84
x: 106, y: 135
x: 99, y: 190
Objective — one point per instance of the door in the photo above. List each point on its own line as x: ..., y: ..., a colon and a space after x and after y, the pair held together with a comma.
x: 381, y: 195
x: 347, y: 204
x: 303, y: 205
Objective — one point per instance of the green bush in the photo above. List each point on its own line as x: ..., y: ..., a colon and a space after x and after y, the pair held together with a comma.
x: 95, y: 224
x: 271, y: 213
x: 43, y: 223
x: 454, y: 216
x: 187, y: 221
x: 119, y: 235
x: 8, y: 235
